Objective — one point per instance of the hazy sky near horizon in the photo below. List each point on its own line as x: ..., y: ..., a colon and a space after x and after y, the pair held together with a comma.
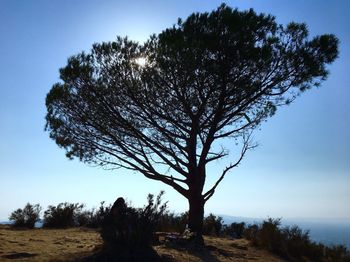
x: 300, y: 169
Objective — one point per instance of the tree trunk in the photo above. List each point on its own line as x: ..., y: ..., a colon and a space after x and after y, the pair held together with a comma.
x: 195, y: 217
x: 195, y: 184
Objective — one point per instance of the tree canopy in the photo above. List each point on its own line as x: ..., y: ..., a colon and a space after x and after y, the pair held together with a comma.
x: 213, y: 76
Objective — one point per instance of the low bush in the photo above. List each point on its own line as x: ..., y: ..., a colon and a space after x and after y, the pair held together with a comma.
x: 99, y: 215
x: 63, y: 215
x: 93, y: 218
x: 251, y: 233
x: 337, y: 253
x: 170, y: 222
x: 84, y: 218
x: 26, y: 217
x: 296, y: 242
x: 234, y: 230
x: 212, y: 225
x: 132, y: 227
x: 270, y: 236
x: 292, y: 243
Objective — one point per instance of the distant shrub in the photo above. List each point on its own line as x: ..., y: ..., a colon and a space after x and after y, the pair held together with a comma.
x: 63, y: 215
x: 170, y: 222
x: 92, y: 218
x: 270, y: 236
x: 251, y: 233
x: 234, y: 230
x: 97, y: 217
x: 147, y: 219
x: 84, y: 218
x: 26, y: 217
x: 130, y: 226
x: 292, y: 243
x: 212, y: 225
x: 337, y: 253
x: 296, y: 242
x: 316, y: 251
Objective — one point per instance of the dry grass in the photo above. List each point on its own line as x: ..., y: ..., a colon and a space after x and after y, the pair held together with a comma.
x: 47, y: 244
x: 75, y: 243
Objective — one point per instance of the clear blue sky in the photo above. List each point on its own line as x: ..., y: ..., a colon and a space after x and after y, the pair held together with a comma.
x: 300, y: 169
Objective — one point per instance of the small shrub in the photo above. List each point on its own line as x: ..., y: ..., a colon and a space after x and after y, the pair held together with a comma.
x: 93, y: 218
x: 296, y: 241
x: 99, y: 216
x: 169, y: 222
x: 63, y: 215
x: 337, y: 253
x: 234, y: 230
x: 132, y: 227
x: 26, y: 217
x: 147, y: 219
x: 293, y: 243
x: 270, y: 237
x: 17, y: 217
x: 212, y: 225
x: 251, y: 233
x: 84, y: 218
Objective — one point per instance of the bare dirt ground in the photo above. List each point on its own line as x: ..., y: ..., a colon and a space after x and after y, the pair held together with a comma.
x: 76, y: 243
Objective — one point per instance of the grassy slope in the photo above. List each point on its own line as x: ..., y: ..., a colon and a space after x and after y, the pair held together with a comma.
x: 72, y: 244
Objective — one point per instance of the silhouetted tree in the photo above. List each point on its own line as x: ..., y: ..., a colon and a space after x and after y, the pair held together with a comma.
x: 213, y: 76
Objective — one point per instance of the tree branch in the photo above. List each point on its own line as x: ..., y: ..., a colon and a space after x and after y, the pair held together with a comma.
x: 246, y: 146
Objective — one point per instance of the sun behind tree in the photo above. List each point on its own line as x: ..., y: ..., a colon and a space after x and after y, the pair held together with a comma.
x: 141, y: 61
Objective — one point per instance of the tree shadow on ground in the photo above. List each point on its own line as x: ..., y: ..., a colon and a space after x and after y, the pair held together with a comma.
x: 226, y: 253
x: 124, y: 254
x: 148, y: 254
x: 204, y: 253
x: 19, y: 255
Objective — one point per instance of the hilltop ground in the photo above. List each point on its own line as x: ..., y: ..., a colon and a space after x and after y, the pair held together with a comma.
x: 76, y: 243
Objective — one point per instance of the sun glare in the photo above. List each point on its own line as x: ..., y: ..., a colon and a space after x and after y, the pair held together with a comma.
x: 141, y: 61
